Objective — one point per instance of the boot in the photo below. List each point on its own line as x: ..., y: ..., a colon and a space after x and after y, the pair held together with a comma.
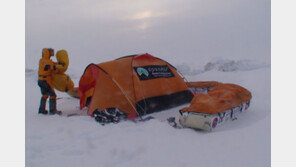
x: 42, y: 106
x: 53, y: 107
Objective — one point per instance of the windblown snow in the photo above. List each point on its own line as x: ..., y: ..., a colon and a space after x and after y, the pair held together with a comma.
x: 217, y: 40
x: 80, y: 141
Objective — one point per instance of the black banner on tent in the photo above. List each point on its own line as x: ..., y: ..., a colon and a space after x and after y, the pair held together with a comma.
x: 153, y: 72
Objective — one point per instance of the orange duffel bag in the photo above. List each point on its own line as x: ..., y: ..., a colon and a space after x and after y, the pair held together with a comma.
x: 223, y: 102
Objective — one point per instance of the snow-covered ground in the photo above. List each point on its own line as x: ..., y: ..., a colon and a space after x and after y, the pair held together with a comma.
x: 217, y: 40
x: 80, y: 141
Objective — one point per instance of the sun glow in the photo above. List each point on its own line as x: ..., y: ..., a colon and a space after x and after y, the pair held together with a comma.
x: 142, y: 15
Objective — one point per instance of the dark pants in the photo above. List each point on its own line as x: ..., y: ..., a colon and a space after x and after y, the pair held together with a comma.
x: 46, y: 90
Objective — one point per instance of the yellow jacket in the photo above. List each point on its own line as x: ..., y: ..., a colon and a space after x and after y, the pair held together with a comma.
x: 60, y: 80
x: 63, y: 61
x: 46, y: 67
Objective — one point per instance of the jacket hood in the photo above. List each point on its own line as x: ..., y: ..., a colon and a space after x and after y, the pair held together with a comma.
x: 45, y: 53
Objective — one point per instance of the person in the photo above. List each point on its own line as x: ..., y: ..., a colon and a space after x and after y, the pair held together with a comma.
x: 46, y: 68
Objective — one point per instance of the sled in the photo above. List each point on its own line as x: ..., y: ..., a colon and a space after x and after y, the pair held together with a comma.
x: 214, y: 105
x: 208, y: 122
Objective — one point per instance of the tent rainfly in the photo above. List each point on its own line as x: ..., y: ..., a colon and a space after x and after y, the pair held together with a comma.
x: 135, y: 84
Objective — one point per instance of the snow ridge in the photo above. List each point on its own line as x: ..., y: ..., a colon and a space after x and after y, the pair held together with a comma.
x: 222, y: 65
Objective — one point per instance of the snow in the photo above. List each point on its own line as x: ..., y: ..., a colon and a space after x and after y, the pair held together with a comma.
x: 218, y: 40
x: 80, y: 141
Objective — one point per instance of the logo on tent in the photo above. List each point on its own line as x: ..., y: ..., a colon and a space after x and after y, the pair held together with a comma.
x: 153, y: 72
x: 141, y: 71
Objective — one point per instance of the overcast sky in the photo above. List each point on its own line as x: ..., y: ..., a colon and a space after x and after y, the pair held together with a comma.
x: 180, y: 31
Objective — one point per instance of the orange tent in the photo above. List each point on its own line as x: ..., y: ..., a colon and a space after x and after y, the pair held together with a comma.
x: 136, y: 84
